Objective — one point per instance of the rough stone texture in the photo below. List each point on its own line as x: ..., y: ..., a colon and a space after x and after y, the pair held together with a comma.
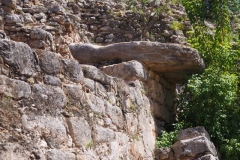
x: 193, y: 143
x: 56, y: 154
x: 197, y: 146
x: 48, y: 99
x: 191, y: 147
x: 80, y: 131
x: 172, y: 60
x: 192, y: 132
x: 49, y: 62
x: 162, y: 153
x: 54, y: 81
x: 19, y: 56
x: 129, y: 71
x: 15, y: 89
x: 51, y: 129
x: 72, y: 69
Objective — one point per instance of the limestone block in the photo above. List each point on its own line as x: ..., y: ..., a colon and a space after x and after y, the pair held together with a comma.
x: 75, y: 94
x: 96, y: 104
x: 173, y: 60
x: 72, y: 70
x: 48, y: 99
x: 18, y: 56
x: 102, y: 134
x: 115, y: 114
x: 136, y: 150
x: 131, y: 123
x: 13, y: 151
x: 192, y: 132
x: 49, y: 62
x: 50, y: 128
x: 80, y: 131
x: 128, y: 71
x: 189, y: 148
x: 14, y: 88
x: 57, y: 154
x: 96, y: 75
x: 146, y: 129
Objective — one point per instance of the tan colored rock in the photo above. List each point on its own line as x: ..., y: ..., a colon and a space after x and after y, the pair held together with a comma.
x: 172, y: 60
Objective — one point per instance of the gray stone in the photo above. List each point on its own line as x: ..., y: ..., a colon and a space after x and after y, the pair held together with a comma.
x: 80, y: 131
x: 57, y: 154
x: 128, y: 71
x: 102, y: 134
x: 49, y: 62
x: 54, y: 81
x: 13, y: 19
x: 173, y: 60
x: 48, y: 99
x: 13, y: 151
x: 72, y: 70
x: 51, y: 129
x: 96, y: 75
x: 192, y: 132
x: 115, y: 114
x: 189, y: 148
x: 9, y: 3
x: 96, y: 104
x: 14, y: 88
x: 18, y: 56
x: 75, y: 94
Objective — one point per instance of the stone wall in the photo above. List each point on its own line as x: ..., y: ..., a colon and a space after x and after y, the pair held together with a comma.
x: 52, y: 25
x: 55, y: 108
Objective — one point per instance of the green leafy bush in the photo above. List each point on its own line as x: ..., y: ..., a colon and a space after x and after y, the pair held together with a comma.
x: 212, y: 99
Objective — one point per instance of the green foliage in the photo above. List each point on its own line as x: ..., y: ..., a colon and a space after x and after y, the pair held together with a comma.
x: 212, y: 99
x: 176, y: 25
x: 167, y: 139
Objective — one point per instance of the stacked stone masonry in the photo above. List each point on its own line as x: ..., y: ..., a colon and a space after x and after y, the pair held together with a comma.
x: 52, y: 25
x: 56, y: 108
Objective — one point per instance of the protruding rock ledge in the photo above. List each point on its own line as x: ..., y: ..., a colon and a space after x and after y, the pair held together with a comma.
x: 172, y: 60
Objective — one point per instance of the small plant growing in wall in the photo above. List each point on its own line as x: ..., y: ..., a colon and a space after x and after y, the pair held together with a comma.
x: 90, y: 144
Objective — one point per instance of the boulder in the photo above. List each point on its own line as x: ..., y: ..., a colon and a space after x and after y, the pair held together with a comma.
x: 19, y: 56
x: 173, y: 60
x: 194, y: 143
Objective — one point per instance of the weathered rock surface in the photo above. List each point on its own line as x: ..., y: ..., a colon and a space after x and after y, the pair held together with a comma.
x: 193, y: 143
x: 19, y: 56
x: 15, y: 89
x: 172, y: 60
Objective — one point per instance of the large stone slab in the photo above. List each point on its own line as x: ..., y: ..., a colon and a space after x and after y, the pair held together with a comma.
x: 173, y: 60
